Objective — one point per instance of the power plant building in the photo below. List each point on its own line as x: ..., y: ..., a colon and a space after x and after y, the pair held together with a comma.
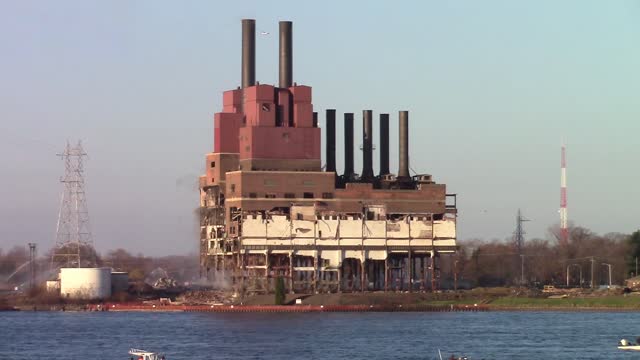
x: 269, y: 208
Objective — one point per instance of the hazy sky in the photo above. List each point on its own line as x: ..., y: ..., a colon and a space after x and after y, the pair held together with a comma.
x: 492, y: 88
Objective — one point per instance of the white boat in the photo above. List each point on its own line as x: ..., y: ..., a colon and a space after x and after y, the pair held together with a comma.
x: 453, y: 357
x: 624, y: 344
x: 137, y: 354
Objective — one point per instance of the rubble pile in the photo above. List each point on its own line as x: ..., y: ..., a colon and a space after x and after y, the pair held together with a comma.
x: 209, y: 297
x: 165, y: 283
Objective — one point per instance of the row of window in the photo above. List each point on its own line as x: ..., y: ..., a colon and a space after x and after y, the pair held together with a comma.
x: 370, y: 216
x: 305, y: 195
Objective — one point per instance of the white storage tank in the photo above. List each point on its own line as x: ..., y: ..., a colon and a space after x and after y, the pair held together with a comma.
x: 85, y: 283
x: 53, y: 286
x: 119, y: 282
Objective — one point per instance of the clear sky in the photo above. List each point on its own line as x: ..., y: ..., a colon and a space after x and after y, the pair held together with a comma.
x: 492, y: 88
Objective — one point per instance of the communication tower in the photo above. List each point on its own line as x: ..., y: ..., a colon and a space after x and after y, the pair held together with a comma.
x: 564, y: 229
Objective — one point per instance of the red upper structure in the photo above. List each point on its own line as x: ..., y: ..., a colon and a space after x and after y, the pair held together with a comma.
x: 264, y: 122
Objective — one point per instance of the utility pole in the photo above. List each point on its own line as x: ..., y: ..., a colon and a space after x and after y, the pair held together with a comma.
x: 32, y: 265
x: 519, y: 242
x: 593, y: 261
x: 521, y: 269
x: 579, y: 268
x: 455, y: 275
x: 609, y: 266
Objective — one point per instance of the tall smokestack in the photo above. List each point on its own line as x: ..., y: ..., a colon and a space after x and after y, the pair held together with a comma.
x: 348, y: 145
x: 248, y: 52
x: 286, y: 54
x: 384, y: 144
x: 403, y: 171
x: 367, y: 145
x: 331, y: 140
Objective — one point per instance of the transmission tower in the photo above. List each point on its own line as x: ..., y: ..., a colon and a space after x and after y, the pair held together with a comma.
x: 74, y: 246
x: 518, y: 237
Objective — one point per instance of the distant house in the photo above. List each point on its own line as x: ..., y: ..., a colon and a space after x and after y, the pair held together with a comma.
x: 633, y: 283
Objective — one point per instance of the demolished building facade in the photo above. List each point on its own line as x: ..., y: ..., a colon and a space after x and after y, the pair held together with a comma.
x: 269, y: 209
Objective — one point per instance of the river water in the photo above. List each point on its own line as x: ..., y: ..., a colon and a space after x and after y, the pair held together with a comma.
x: 196, y: 336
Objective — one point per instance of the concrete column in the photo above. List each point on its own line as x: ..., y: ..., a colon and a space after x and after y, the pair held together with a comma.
x: 267, y: 271
x: 242, y: 258
x: 340, y: 260
x: 291, y: 273
x: 362, y: 274
x: 386, y: 273
x: 410, y: 270
x: 425, y: 268
x: 315, y: 273
x: 224, y: 265
x: 215, y: 268
x: 433, y: 272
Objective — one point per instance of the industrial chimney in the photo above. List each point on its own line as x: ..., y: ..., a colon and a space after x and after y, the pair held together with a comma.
x: 286, y: 54
x: 367, y: 145
x: 348, y: 146
x: 331, y: 140
x: 384, y: 144
x: 403, y: 171
x: 248, y: 52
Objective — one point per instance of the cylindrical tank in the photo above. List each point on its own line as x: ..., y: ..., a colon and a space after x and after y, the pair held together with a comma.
x: 53, y: 286
x: 119, y: 281
x: 85, y: 283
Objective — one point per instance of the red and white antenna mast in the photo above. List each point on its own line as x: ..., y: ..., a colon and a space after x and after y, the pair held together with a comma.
x: 564, y: 229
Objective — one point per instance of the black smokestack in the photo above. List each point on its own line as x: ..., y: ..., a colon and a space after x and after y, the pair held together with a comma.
x: 403, y: 171
x: 348, y: 145
x: 384, y: 144
x: 331, y: 140
x: 367, y: 145
x: 248, y: 52
x: 286, y: 54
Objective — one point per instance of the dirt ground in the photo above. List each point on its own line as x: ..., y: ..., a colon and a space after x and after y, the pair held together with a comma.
x: 372, y: 298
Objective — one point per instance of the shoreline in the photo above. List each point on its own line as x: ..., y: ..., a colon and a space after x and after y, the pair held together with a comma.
x: 114, y: 307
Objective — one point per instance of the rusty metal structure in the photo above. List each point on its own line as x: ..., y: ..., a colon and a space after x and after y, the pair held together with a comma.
x: 268, y: 209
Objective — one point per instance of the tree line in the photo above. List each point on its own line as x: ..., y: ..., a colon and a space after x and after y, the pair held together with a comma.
x: 139, y: 266
x: 586, y: 259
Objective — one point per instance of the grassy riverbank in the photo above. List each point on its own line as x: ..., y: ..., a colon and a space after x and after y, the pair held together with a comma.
x: 612, y: 302
x: 491, y: 298
x: 494, y: 298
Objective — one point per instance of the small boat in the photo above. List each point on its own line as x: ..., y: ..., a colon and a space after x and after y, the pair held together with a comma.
x: 625, y: 344
x: 453, y: 357
x: 137, y: 354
